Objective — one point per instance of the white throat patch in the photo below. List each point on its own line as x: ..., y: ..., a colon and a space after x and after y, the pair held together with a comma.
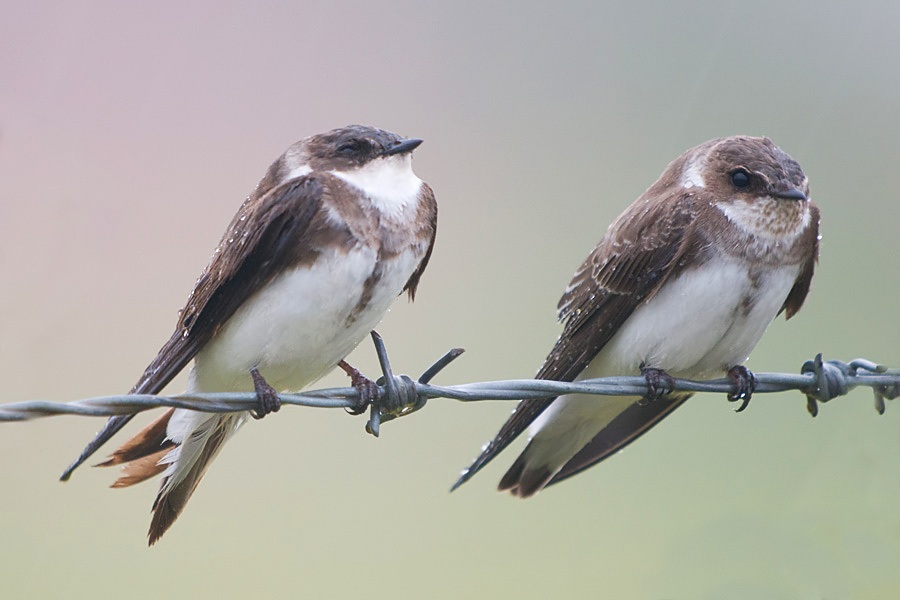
x: 768, y: 218
x: 389, y: 182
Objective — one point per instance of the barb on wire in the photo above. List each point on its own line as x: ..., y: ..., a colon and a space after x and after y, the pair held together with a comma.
x: 400, y: 395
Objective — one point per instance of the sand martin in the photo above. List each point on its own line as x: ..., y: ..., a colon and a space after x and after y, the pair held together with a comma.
x: 335, y: 231
x: 683, y: 284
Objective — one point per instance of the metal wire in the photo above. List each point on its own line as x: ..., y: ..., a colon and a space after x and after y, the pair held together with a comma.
x: 819, y: 380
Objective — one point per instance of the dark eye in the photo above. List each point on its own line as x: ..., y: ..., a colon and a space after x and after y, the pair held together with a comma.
x: 740, y: 178
x: 350, y: 147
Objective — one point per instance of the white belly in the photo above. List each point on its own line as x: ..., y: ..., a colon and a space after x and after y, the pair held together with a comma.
x: 300, y: 325
x: 699, y: 325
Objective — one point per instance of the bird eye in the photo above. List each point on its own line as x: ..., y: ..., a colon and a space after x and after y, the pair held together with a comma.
x: 350, y: 147
x: 740, y: 178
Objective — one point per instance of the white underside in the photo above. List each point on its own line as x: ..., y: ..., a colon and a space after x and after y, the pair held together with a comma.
x: 301, y: 324
x: 294, y: 331
x: 695, y: 327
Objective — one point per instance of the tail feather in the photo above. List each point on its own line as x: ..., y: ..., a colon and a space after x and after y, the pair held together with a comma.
x: 524, y: 480
x: 141, y: 469
x: 141, y: 456
x: 180, y: 444
x: 185, y: 466
x: 149, y: 440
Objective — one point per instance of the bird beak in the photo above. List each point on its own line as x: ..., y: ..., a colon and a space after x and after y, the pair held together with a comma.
x: 789, y: 194
x: 402, y: 147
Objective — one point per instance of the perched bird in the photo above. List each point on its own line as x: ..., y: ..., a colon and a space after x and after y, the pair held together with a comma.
x: 335, y: 231
x: 683, y: 284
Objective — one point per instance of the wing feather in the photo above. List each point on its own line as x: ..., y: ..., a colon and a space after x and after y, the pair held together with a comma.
x: 261, y: 238
x: 648, y: 244
x: 798, y: 293
x: 428, y: 207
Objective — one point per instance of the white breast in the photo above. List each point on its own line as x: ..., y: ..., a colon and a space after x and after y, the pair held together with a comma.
x: 702, y: 323
x: 300, y: 325
x: 705, y: 321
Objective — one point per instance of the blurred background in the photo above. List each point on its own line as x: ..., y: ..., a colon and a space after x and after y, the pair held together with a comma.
x: 129, y: 135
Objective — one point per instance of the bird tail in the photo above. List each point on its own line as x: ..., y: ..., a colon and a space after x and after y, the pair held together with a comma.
x: 181, y: 444
x: 141, y: 455
x: 198, y: 437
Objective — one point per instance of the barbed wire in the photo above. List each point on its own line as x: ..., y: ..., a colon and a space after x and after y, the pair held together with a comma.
x: 819, y: 380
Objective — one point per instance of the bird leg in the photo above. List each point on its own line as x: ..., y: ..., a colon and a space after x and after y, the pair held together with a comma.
x: 742, y: 385
x: 266, y: 396
x: 368, y: 389
x: 659, y: 383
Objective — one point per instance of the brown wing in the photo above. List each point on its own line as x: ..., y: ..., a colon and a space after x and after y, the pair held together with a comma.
x: 631, y: 424
x: 428, y: 216
x: 798, y: 293
x: 637, y: 420
x: 644, y: 247
x: 265, y: 234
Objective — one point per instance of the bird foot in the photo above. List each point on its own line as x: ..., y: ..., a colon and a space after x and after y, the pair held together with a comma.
x: 659, y: 383
x: 368, y: 389
x: 266, y: 396
x: 743, y: 383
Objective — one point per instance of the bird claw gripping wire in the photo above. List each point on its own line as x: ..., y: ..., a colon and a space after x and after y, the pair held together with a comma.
x: 835, y: 378
x: 398, y: 394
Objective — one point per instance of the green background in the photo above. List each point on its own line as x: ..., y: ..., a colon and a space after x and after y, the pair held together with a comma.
x: 130, y: 133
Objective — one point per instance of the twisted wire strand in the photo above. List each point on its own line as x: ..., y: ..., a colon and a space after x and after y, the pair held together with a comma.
x: 819, y: 380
